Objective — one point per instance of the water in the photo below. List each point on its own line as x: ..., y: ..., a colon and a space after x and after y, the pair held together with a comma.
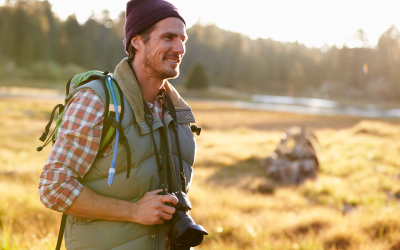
x: 316, y: 107
x: 311, y: 106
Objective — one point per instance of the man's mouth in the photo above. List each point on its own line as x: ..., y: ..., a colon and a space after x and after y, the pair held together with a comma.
x: 172, y: 60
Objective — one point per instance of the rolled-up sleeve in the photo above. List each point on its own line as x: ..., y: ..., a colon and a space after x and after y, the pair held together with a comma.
x: 74, y: 151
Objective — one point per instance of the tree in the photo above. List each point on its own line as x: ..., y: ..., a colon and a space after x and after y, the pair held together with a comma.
x: 358, y: 40
x: 389, y: 49
x: 197, y: 77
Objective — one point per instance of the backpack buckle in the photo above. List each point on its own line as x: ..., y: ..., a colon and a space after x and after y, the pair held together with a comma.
x: 109, y: 121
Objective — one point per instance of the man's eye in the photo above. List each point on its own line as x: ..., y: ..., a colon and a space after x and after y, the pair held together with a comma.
x: 168, y: 37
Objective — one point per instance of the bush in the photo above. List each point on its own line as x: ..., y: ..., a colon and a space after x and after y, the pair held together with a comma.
x: 70, y: 70
x: 7, y: 68
x: 45, y: 70
x: 197, y: 77
x: 52, y: 70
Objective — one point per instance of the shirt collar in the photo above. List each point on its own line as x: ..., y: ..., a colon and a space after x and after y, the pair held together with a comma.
x: 160, y: 98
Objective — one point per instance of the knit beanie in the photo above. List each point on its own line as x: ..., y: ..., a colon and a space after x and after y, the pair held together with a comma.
x: 142, y: 14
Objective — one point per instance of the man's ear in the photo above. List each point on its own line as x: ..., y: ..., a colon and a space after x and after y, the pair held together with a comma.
x: 135, y: 41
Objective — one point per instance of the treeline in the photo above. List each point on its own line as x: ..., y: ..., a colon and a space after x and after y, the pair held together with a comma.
x: 234, y: 60
x: 36, y: 44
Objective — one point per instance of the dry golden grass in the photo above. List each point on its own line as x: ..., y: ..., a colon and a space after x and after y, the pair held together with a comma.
x: 352, y: 204
x: 24, y: 223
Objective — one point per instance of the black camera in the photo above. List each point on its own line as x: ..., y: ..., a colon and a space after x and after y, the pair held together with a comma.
x: 185, y: 233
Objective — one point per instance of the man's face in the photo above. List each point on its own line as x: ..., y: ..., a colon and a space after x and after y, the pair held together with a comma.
x: 164, y: 50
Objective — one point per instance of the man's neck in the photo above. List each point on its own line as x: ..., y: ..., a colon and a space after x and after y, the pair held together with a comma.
x: 150, y: 86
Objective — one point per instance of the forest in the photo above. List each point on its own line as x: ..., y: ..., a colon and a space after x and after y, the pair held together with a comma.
x: 36, y: 44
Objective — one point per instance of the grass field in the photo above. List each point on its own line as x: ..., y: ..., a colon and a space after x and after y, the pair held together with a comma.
x: 352, y: 204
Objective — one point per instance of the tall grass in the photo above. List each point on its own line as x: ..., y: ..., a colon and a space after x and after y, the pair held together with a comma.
x: 24, y: 223
x: 352, y: 205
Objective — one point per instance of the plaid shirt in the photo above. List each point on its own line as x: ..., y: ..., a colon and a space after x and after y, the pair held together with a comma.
x: 76, y: 148
x: 158, y: 102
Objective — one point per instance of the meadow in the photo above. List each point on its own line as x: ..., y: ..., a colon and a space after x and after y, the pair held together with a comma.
x: 353, y: 204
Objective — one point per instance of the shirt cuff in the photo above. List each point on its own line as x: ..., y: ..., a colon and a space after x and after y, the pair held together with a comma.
x: 60, y: 196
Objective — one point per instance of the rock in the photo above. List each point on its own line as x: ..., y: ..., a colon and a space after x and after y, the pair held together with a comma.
x: 295, y: 159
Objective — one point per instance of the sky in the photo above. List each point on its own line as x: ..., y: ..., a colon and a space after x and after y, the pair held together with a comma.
x: 311, y: 22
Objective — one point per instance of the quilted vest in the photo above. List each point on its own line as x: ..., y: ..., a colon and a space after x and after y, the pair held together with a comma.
x: 94, y: 234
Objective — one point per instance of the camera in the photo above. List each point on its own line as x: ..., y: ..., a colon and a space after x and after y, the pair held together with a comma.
x: 184, y: 233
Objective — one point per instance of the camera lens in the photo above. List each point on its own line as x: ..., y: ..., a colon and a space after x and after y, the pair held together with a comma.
x: 192, y: 237
x: 184, y: 230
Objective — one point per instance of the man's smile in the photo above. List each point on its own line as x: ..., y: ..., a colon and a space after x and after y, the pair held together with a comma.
x: 174, y: 61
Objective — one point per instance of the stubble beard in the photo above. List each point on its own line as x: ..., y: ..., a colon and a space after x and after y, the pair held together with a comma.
x: 158, y: 70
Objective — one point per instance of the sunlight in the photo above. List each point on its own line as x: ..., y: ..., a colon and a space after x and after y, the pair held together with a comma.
x: 310, y: 22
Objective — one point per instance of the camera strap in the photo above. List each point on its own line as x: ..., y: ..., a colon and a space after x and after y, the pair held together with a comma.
x: 172, y: 110
x: 150, y: 120
x: 161, y: 160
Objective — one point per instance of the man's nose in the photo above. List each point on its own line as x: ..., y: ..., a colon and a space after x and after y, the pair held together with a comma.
x: 179, y: 47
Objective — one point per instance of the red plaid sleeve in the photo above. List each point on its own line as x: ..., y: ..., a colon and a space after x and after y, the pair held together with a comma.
x: 73, y: 152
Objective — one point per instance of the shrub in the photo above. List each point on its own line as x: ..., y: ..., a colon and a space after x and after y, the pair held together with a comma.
x: 45, y: 70
x: 197, y: 77
x: 70, y: 70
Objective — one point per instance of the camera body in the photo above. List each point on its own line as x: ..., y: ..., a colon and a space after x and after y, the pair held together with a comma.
x: 185, y: 233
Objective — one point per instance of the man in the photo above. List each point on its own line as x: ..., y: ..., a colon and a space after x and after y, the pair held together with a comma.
x: 129, y: 214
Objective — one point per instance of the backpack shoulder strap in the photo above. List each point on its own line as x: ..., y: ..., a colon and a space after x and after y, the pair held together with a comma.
x: 61, y: 232
x: 86, y: 79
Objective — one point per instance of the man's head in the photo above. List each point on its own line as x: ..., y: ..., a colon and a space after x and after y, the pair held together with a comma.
x: 155, y: 35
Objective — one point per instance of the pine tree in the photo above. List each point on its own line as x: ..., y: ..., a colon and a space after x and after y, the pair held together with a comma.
x: 197, y: 77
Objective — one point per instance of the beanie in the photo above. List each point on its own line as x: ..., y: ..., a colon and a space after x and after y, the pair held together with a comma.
x: 142, y: 14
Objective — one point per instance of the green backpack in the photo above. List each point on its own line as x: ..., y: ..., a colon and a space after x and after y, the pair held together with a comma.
x: 113, y: 115
x: 110, y: 125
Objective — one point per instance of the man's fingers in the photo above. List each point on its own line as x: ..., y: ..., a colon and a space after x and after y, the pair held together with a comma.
x: 160, y: 221
x: 165, y: 216
x: 153, y: 208
x: 170, y: 199
x: 155, y: 191
x: 168, y: 209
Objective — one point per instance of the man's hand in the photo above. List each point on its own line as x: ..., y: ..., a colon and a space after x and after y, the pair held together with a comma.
x: 151, y: 208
